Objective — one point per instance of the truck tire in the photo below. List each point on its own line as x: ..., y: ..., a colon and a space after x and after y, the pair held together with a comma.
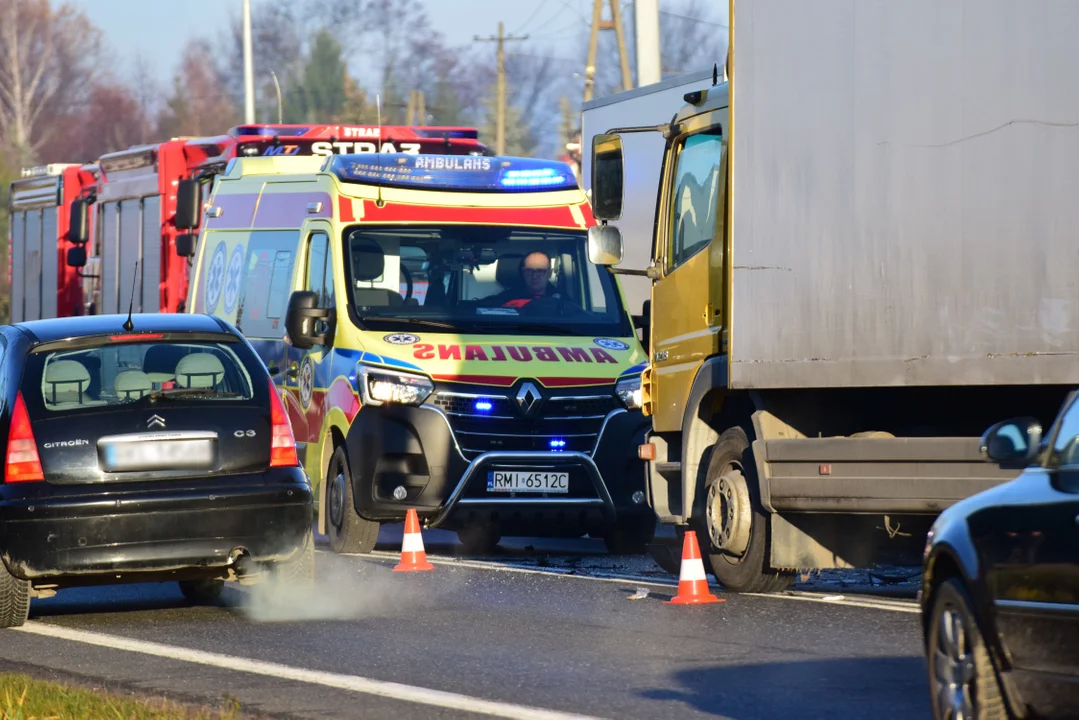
x: 630, y: 534
x: 14, y: 599
x: 960, y: 670
x: 349, y: 533
x: 732, y: 522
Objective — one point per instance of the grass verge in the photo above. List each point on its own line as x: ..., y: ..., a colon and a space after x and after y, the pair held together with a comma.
x: 25, y: 698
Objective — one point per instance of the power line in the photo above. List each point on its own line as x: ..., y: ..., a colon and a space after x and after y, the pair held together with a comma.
x: 692, y: 19
x: 539, y: 6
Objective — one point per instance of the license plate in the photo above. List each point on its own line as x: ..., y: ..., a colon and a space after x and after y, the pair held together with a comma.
x: 157, y: 453
x: 539, y: 482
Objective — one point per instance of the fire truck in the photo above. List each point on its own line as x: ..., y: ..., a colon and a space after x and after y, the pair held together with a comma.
x: 125, y: 227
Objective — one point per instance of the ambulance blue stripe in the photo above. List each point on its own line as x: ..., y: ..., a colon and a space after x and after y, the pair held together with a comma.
x: 635, y: 370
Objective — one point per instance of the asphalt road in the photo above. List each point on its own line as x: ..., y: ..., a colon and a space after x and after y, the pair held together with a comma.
x: 508, y: 637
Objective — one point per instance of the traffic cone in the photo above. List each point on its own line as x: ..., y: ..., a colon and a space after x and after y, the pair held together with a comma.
x: 692, y: 582
x: 413, y: 556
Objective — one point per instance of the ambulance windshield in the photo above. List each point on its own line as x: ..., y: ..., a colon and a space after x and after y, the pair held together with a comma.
x: 480, y: 279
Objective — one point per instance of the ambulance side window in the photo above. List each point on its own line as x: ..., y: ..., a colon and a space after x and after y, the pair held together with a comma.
x: 320, y: 271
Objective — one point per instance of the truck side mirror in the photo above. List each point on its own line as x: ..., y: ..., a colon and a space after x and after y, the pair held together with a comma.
x: 607, y: 178
x: 187, y: 205
x: 78, y: 229
x: 185, y: 244
x: 76, y: 256
x: 604, y: 245
x: 301, y: 320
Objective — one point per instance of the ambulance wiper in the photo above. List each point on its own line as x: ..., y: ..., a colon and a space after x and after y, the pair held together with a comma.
x: 411, y: 321
x: 538, y: 327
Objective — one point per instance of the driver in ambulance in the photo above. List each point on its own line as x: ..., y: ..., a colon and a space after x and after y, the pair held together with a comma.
x: 535, y: 285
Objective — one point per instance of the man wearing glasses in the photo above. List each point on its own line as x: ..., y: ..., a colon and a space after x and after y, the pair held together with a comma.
x: 536, y: 274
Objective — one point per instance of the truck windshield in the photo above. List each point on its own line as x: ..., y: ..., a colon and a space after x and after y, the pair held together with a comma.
x: 480, y: 279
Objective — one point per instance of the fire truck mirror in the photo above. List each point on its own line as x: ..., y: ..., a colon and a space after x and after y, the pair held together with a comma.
x: 79, y: 226
x: 187, y: 205
x: 76, y: 256
x: 185, y: 244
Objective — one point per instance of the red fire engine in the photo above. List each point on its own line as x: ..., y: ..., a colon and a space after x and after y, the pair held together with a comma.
x: 144, y: 205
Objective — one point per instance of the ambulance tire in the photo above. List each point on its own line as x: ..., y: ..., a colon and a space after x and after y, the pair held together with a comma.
x: 731, y: 456
x: 349, y: 533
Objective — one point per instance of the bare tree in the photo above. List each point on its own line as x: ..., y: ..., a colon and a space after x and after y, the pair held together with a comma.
x: 47, y: 62
x: 199, y: 104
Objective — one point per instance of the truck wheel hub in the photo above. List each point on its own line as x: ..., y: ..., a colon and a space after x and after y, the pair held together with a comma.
x: 729, y: 513
x: 337, y: 500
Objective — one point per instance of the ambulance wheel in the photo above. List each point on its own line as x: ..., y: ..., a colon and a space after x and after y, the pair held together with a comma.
x: 733, y: 529
x: 479, y: 538
x: 349, y: 533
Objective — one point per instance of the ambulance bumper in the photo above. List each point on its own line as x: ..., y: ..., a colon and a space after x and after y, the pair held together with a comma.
x: 413, y: 450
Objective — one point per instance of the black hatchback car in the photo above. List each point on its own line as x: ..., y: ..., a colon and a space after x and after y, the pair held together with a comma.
x: 1000, y: 588
x: 156, y: 452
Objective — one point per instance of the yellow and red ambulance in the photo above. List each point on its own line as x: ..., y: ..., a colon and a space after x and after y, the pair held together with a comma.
x: 443, y: 339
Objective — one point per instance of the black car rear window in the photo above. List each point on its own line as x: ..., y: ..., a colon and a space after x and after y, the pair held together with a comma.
x: 70, y: 380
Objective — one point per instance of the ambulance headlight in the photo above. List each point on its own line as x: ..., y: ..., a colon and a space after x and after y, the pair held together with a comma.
x: 378, y: 387
x: 629, y: 392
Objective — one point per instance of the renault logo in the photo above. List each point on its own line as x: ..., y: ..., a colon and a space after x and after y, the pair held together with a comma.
x: 529, y: 399
x: 156, y: 421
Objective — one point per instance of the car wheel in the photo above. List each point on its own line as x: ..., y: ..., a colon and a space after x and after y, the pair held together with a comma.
x: 479, y: 538
x: 14, y: 599
x: 349, y: 533
x: 962, y: 681
x: 732, y: 525
x: 300, y: 570
x: 202, y: 592
x: 630, y: 534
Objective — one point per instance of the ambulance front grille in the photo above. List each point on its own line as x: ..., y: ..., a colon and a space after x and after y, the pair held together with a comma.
x: 567, y: 423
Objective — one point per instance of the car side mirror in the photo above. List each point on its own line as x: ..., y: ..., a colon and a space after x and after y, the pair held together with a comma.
x: 185, y: 244
x: 301, y: 320
x: 76, y: 256
x: 78, y: 229
x: 187, y: 205
x: 1012, y: 443
x: 607, y: 177
x: 604, y: 245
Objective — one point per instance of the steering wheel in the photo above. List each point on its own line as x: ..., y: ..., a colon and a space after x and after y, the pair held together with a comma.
x: 408, y: 279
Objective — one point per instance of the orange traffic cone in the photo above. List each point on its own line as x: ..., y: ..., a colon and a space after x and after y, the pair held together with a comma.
x: 692, y: 582
x: 413, y: 556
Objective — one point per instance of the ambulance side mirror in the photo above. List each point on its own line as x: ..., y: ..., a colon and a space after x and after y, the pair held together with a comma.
x: 306, y: 323
x: 76, y: 256
x: 604, y: 245
x: 185, y: 244
x: 187, y: 205
x: 78, y: 229
x: 607, y: 177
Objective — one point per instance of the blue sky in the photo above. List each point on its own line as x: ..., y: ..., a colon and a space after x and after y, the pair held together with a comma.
x: 132, y: 27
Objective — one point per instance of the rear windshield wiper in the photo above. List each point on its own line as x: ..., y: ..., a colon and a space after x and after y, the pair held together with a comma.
x: 176, y: 393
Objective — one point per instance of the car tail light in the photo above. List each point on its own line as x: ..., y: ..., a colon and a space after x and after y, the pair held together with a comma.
x: 283, y: 446
x: 23, y: 463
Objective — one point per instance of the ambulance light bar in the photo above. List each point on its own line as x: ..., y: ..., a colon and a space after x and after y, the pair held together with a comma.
x: 454, y: 172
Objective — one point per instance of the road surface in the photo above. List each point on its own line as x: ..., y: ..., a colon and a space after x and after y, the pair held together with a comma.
x: 515, y: 636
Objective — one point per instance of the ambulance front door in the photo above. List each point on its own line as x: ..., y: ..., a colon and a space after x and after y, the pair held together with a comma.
x: 307, y: 374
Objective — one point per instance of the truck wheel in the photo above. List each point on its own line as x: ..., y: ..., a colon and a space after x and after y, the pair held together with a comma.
x: 300, y: 570
x: 734, y: 523
x: 349, y: 533
x: 479, y: 538
x: 630, y: 534
x: 961, y: 676
x: 14, y: 599
x: 202, y: 592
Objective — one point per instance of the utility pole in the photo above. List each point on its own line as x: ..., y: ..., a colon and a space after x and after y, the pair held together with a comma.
x: 598, y: 23
x: 416, y: 112
x: 249, y: 70
x: 646, y: 28
x: 500, y: 133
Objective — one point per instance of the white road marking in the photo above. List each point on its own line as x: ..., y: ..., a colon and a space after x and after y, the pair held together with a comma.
x: 901, y: 606
x: 355, y: 683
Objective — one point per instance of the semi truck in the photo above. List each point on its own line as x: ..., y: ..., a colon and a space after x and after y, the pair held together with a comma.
x: 863, y: 256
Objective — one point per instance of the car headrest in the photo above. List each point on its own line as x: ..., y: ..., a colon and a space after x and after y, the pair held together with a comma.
x: 66, y: 377
x: 199, y: 370
x: 368, y: 261
x: 508, y: 269
x: 163, y: 358
x: 132, y: 384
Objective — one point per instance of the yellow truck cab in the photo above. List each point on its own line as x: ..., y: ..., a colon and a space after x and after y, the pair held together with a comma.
x: 446, y: 338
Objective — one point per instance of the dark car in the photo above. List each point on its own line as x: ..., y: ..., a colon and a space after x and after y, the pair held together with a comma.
x: 160, y: 452
x: 1000, y: 589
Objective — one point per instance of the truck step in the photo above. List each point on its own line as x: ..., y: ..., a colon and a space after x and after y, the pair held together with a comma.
x: 669, y: 470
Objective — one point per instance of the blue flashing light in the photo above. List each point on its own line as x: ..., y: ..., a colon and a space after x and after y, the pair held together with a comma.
x: 558, y: 444
x: 483, y: 406
x: 468, y: 173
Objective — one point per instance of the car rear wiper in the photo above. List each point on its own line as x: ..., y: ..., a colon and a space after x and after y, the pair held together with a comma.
x: 176, y: 393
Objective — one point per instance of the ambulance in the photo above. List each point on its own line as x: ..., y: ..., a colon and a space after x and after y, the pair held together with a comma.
x: 445, y: 337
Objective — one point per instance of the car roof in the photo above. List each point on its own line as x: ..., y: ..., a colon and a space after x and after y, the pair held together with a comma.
x: 87, y: 325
